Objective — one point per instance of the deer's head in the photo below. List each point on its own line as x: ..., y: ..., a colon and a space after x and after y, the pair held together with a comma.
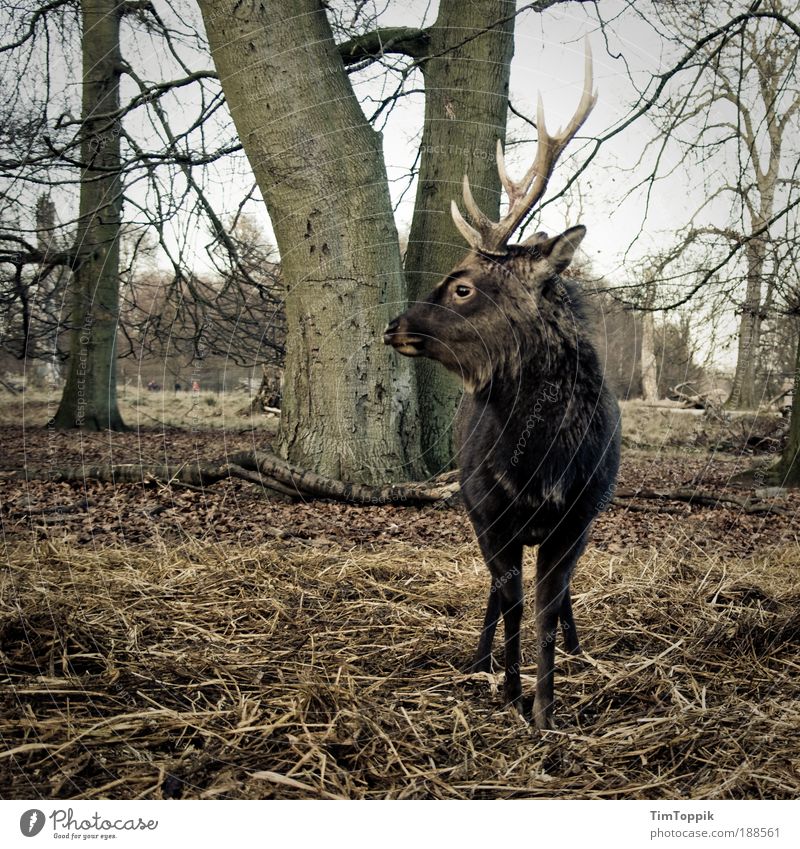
x: 483, y: 310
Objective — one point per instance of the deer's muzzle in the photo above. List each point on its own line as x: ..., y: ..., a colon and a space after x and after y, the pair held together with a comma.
x: 398, y: 336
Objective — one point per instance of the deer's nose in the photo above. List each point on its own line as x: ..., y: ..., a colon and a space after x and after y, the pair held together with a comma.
x: 391, y: 328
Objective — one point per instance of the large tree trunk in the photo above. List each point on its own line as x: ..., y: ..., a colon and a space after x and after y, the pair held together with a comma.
x: 349, y: 405
x: 466, y: 103
x: 89, y: 400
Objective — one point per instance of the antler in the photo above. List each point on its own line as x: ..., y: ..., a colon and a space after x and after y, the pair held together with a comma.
x: 491, y: 237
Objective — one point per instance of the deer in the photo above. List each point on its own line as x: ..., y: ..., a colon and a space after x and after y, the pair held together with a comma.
x: 541, y: 441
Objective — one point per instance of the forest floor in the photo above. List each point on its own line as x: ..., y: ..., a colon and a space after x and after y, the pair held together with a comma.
x: 172, y: 641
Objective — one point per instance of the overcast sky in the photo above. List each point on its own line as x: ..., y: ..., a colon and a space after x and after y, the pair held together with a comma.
x: 548, y: 58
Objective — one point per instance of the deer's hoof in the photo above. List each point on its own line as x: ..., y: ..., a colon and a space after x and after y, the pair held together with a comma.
x: 522, y: 706
x: 480, y: 663
x: 543, y: 720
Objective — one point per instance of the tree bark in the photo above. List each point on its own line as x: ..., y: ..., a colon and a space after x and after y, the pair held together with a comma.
x: 349, y: 406
x: 89, y: 399
x: 743, y: 390
x: 466, y: 103
x: 648, y: 352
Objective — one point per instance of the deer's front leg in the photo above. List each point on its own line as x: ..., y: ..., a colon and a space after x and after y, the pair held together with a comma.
x: 548, y: 602
x: 554, y: 566
x: 511, y: 606
x: 504, y: 560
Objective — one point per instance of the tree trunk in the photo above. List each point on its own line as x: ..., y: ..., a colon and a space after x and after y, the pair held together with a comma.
x: 743, y: 391
x: 648, y: 353
x: 349, y: 405
x: 789, y: 466
x: 649, y: 365
x: 466, y: 103
x: 89, y: 400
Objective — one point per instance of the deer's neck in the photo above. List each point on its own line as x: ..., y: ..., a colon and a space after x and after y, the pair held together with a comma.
x: 543, y: 379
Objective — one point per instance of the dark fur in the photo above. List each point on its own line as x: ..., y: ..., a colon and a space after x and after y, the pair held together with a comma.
x: 541, y: 447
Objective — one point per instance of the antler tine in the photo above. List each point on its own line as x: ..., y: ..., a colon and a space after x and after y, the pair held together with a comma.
x: 560, y: 140
x: 543, y: 143
x: 482, y: 223
x: 588, y: 99
x: 523, y: 195
x: 473, y: 238
x: 512, y: 188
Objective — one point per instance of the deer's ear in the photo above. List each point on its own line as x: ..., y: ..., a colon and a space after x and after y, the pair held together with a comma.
x: 535, y: 240
x: 561, y: 249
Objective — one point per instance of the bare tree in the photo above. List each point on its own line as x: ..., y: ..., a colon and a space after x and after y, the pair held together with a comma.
x: 649, y: 362
x: 31, y: 295
x: 90, y: 395
x: 729, y: 104
x: 771, y: 58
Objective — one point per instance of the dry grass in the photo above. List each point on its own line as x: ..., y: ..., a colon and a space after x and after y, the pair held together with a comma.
x: 141, y: 408
x: 677, y: 429
x: 292, y: 671
x: 644, y: 426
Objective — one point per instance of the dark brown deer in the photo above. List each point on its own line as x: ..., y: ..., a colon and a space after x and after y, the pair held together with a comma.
x: 541, y: 448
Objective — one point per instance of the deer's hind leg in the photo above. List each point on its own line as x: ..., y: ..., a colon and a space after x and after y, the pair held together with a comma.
x: 568, y: 629
x: 482, y: 661
x: 504, y: 560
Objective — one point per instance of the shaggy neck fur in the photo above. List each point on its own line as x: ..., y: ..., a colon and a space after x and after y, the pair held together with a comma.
x: 548, y: 344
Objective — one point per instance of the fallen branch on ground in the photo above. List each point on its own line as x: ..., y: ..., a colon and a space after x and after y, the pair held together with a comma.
x: 284, y: 480
x: 692, y: 496
x: 262, y: 468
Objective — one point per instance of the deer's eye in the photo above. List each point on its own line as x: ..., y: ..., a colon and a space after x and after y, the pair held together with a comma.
x: 463, y: 291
